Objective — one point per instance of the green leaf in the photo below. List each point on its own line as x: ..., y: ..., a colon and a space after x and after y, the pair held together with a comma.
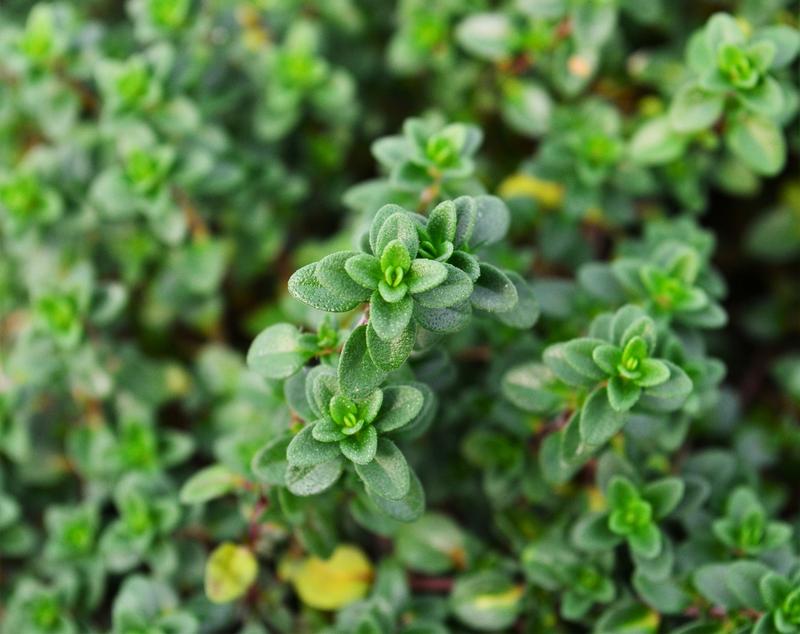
x: 230, y: 571
x: 443, y: 320
x: 671, y: 394
x: 711, y: 581
x: 591, y: 533
x: 305, y: 451
x: 656, y: 143
x: 492, y: 220
x: 743, y: 581
x: 467, y: 214
x: 401, y: 404
x: 598, y: 420
x: 408, y: 508
x: 766, y: 98
x: 313, y: 479
x: 774, y: 588
x: 493, y: 292
x: 785, y: 40
x: 664, y: 595
x: 646, y: 542
x: 389, y: 321
x: 425, y: 275
x: 525, y: 312
x: 456, y: 289
x: 395, y: 255
x: 622, y: 393
x: 757, y: 142
x: 209, y: 483
x: 327, y: 431
x: 269, y: 463
x: 364, y: 269
x: 487, y: 36
x: 607, y: 358
x: 398, y: 226
x: 360, y: 448
x: 321, y: 385
x: 357, y: 373
x: 694, y: 109
x: 388, y: 474
x: 528, y: 387
x: 572, y: 362
x: 442, y: 221
x: 276, y: 353
x: 390, y: 354
x: 663, y: 495
x: 487, y: 600
x: 332, y: 274
x: 392, y: 294
x: 433, y: 545
x: 652, y: 372
x: 382, y: 215
x: 627, y: 618
x: 305, y: 286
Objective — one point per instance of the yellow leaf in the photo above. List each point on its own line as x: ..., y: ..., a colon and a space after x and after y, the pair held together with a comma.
x: 230, y: 571
x: 548, y: 193
x: 499, y: 600
x: 329, y: 584
x: 597, y: 501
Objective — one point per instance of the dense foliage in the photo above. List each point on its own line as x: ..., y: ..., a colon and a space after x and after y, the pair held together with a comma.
x: 423, y: 316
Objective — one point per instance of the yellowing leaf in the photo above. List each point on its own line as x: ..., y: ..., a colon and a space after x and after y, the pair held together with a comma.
x: 230, y: 571
x: 499, y: 600
x: 597, y: 501
x: 549, y: 193
x: 329, y: 584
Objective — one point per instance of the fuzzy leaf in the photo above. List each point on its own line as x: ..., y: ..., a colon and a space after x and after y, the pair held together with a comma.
x: 398, y: 226
x: 455, y: 289
x: 408, y: 508
x: 305, y: 286
x: 425, y: 275
x: 443, y: 320
x: 390, y: 354
x: 598, y: 420
x: 269, y: 463
x: 401, y: 404
x: 357, y: 373
x: 364, y: 269
x: 388, y: 474
x: 390, y: 320
x: 494, y: 292
x: 360, y: 448
x: 276, y: 353
x: 314, y: 479
x: 305, y: 451
x: 492, y: 220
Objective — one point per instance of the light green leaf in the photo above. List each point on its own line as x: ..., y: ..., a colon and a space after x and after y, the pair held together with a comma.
x: 209, y: 483
x: 694, y: 109
x: 757, y: 142
x: 276, y: 353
